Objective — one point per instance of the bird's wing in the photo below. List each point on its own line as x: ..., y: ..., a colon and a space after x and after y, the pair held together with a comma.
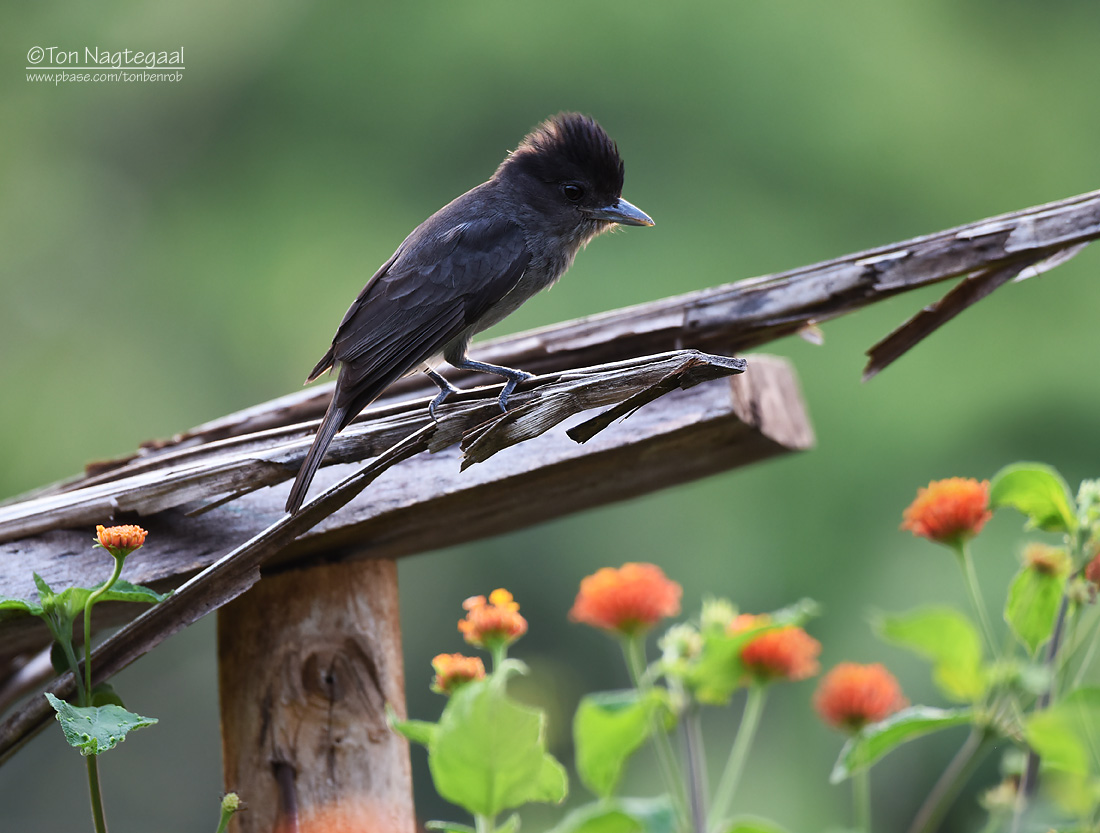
x: 441, y: 281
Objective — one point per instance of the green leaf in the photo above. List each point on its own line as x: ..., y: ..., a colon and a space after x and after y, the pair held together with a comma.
x: 599, y: 818
x: 95, y: 729
x: 24, y: 605
x: 44, y: 590
x: 449, y: 827
x: 123, y: 591
x: 876, y: 739
x: 1077, y: 795
x: 1067, y: 735
x: 104, y: 694
x: 947, y: 638
x: 72, y: 600
x: 625, y: 815
x: 1037, y: 491
x: 552, y: 784
x: 510, y: 825
x: 418, y: 731
x: 69, y: 603
x: 607, y: 729
x: 488, y: 753
x: 752, y: 824
x: 718, y: 672
x: 1032, y: 605
x: 656, y: 815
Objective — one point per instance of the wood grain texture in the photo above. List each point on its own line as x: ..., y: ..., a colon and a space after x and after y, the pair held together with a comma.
x: 307, y: 661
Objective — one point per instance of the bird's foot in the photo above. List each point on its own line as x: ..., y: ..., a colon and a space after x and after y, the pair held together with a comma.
x: 510, y: 386
x: 445, y: 390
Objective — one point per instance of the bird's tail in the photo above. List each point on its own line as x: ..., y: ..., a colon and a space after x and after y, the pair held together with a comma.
x: 333, y: 421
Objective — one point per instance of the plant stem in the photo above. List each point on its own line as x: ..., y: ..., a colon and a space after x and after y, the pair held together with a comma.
x: 499, y: 652
x: 1030, y: 780
x: 98, y: 818
x: 861, y: 799
x: 731, y: 775
x: 82, y: 696
x: 696, y: 767
x: 947, y: 787
x: 634, y: 652
x: 92, y: 599
x: 970, y: 579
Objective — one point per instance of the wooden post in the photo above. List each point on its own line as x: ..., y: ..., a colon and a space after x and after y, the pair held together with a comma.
x: 307, y: 661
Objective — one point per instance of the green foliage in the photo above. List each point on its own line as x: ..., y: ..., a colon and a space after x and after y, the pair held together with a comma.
x: 1033, y: 601
x: 1067, y: 738
x: 718, y: 672
x: 608, y: 728
x: 947, y: 638
x: 418, y: 731
x: 488, y: 752
x: 716, y: 675
x: 1039, y: 492
x: 876, y: 739
x: 449, y: 827
x: 60, y: 610
x: 621, y: 815
x: 95, y: 729
x: 1067, y: 735
x: 104, y: 694
x: 20, y: 605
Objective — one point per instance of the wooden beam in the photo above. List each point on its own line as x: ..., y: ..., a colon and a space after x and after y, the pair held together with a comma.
x: 735, y: 316
x: 307, y: 662
x: 683, y: 435
x: 429, y: 502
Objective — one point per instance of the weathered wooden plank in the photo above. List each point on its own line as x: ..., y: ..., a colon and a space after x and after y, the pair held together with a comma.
x: 425, y: 503
x: 229, y: 467
x: 735, y: 316
x: 429, y: 501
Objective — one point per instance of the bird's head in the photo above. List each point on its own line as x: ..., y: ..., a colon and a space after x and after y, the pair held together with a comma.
x: 570, y: 168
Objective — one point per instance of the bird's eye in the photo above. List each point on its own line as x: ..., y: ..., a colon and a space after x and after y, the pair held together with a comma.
x: 572, y: 191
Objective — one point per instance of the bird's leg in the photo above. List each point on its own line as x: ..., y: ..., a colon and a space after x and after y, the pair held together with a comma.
x: 445, y: 390
x: 513, y: 376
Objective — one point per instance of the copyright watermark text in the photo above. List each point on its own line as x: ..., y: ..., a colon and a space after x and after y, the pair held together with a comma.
x: 94, y: 64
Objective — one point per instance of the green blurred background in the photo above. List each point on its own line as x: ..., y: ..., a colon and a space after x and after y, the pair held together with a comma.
x: 173, y: 252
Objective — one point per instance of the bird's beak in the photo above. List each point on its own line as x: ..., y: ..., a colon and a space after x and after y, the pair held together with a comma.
x: 622, y: 212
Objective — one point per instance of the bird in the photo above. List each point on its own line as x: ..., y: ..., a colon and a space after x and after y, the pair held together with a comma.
x: 467, y: 267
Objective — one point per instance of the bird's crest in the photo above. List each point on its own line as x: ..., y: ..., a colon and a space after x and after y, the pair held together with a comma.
x: 570, y: 146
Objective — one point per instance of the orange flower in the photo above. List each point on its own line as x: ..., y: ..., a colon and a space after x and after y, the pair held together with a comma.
x: 453, y: 670
x: 492, y: 623
x: 1092, y: 571
x: 1050, y: 561
x: 852, y: 695
x: 628, y: 600
x: 787, y: 653
x: 949, y: 511
x: 120, y: 541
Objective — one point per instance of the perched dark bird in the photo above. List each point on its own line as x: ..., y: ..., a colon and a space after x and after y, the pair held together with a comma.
x: 468, y: 266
